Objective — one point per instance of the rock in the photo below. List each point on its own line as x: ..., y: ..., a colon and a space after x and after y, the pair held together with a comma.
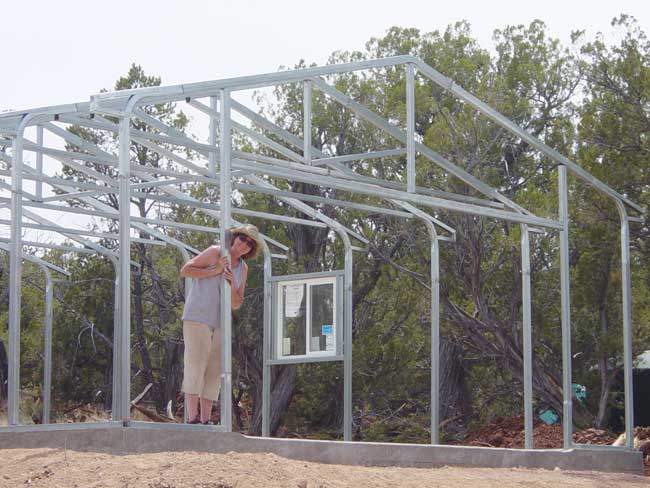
x: 644, y: 447
x: 496, y: 440
x: 302, y: 484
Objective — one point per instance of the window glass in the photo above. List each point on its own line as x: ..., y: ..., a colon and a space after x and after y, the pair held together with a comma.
x: 323, y: 337
x: 294, y: 320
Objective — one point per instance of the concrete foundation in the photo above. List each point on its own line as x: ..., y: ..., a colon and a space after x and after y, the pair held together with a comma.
x: 114, y: 438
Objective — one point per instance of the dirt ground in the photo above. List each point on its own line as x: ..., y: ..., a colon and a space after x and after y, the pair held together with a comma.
x: 59, y: 468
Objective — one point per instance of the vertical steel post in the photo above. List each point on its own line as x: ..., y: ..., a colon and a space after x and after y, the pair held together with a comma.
x: 567, y: 387
x: 347, y: 353
x: 125, y: 263
x: 39, y: 162
x: 15, y: 273
x: 188, y: 286
x: 213, y: 137
x: 116, y: 403
x: 435, y: 340
x: 307, y: 95
x: 226, y: 308
x: 527, y: 333
x: 410, y: 128
x: 266, y: 351
x: 47, y: 356
x: 626, y: 283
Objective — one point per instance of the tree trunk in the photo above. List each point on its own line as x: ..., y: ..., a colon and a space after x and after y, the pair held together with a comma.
x: 4, y: 371
x: 281, y: 394
x: 138, y: 316
x: 455, y: 401
x: 498, y: 343
x: 605, y: 378
x: 172, y: 374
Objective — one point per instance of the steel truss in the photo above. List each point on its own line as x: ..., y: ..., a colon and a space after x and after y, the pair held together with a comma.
x: 248, y: 172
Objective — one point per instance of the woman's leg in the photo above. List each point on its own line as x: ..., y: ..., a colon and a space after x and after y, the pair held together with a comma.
x: 206, y: 410
x: 212, y: 378
x: 192, y: 402
x: 197, y: 339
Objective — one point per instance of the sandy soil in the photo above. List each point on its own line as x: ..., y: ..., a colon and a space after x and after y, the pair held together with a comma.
x: 59, y: 468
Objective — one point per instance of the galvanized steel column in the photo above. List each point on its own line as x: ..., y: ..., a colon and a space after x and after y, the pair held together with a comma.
x: 266, y: 346
x: 226, y: 307
x: 39, y: 162
x: 347, y: 359
x: 188, y: 287
x: 435, y: 340
x: 410, y: 129
x: 213, y: 137
x: 626, y: 283
x: 47, y: 356
x: 307, y: 92
x: 527, y: 333
x: 567, y: 387
x: 15, y: 273
x: 116, y: 403
x: 125, y: 263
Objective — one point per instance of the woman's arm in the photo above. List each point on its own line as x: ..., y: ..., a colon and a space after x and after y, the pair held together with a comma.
x: 237, y: 293
x: 204, y: 265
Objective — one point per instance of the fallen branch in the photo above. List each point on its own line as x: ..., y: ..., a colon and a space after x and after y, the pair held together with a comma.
x: 141, y: 395
x: 156, y: 417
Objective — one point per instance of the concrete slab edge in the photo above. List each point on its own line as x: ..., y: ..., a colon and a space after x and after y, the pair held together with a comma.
x: 137, y: 439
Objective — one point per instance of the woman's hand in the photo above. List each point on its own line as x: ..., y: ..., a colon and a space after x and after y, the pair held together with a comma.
x: 223, y: 264
x: 227, y: 273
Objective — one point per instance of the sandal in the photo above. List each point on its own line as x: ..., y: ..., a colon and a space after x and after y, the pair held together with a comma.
x: 195, y: 420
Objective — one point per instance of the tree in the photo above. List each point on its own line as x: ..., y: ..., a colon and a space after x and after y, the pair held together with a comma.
x: 613, y: 145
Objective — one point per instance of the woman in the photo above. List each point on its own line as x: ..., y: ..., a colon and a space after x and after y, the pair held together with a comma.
x: 201, y: 316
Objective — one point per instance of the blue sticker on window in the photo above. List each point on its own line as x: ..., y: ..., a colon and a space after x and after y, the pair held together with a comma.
x: 326, y: 330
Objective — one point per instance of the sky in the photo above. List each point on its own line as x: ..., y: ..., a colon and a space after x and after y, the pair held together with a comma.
x: 62, y: 51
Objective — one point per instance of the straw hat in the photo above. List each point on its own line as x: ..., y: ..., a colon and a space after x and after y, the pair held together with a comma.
x: 252, y: 232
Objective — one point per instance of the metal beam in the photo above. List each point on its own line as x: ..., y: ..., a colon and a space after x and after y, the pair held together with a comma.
x: 307, y: 210
x: 416, y: 199
x: 626, y: 285
x: 565, y: 283
x: 433, y: 156
x: 346, y: 158
x: 262, y: 139
x: 513, y: 128
x: 123, y: 368
x: 324, y: 200
x: 527, y: 337
x: 213, y: 136
x: 113, y: 103
x: 410, y: 128
x: 306, y: 112
x: 37, y: 261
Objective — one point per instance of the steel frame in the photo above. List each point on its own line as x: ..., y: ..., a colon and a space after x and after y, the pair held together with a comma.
x: 304, y: 163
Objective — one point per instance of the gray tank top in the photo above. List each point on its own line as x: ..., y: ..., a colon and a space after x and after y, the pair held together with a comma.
x: 203, y: 302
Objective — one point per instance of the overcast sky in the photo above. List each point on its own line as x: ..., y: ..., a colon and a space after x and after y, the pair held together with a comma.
x: 62, y: 51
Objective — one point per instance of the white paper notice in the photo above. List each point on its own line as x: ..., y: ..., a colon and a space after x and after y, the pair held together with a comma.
x: 315, y: 344
x: 286, y: 346
x: 330, y: 342
x: 293, y: 299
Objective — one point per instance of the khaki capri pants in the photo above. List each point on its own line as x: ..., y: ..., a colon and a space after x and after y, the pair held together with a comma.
x: 202, y: 360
